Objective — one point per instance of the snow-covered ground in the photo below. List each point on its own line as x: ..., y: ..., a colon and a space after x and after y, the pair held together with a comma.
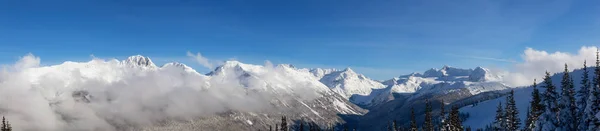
x: 484, y: 113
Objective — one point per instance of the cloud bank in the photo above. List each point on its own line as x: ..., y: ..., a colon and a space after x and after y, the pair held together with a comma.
x: 536, y: 62
x: 107, y: 95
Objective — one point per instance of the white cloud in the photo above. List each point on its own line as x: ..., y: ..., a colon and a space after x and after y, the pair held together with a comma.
x: 536, y: 62
x: 34, y: 97
x: 198, y: 58
x: 27, y: 61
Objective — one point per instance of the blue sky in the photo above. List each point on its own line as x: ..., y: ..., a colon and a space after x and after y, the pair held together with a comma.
x: 381, y: 38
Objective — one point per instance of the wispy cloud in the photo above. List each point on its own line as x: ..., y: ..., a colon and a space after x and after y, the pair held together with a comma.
x: 482, y: 58
x: 200, y: 59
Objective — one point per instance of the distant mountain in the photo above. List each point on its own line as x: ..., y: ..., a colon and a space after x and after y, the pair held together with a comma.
x: 279, y: 90
x: 324, y: 96
x: 350, y: 84
x: 411, y: 91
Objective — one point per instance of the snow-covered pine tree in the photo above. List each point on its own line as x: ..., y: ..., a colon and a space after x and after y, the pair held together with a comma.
x: 443, y: 122
x: 528, y: 121
x: 394, y: 126
x: 568, y: 108
x: 428, y: 125
x: 389, y: 126
x: 594, y: 101
x: 511, y: 115
x: 536, y: 108
x: 582, y: 102
x: 549, y: 120
x: 4, y: 126
x: 498, y: 124
x: 301, y: 126
x: 413, y: 120
x: 284, y: 126
x: 572, y: 107
x: 454, y: 119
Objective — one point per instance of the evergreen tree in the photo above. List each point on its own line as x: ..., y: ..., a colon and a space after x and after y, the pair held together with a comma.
x: 284, y: 126
x: 536, y: 105
x: 301, y: 126
x: 512, y: 113
x: 5, y: 125
x: 594, y: 101
x: 582, y: 102
x: 428, y: 125
x: 394, y: 126
x: 270, y: 128
x: 573, y: 109
x: 443, y: 122
x: 413, y: 120
x: 276, y: 127
x: 529, y: 120
x: 454, y: 120
x: 390, y: 126
x: 568, y: 108
x: 498, y: 124
x: 550, y: 119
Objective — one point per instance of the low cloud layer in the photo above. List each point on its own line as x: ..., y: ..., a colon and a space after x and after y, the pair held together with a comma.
x: 105, y: 95
x: 536, y: 62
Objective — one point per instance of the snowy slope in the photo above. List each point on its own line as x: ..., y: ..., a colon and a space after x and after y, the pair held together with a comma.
x: 279, y: 78
x: 349, y: 83
x: 484, y: 113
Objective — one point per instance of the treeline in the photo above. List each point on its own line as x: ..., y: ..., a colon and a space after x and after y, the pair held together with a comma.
x: 569, y: 110
x: 302, y: 126
x: 451, y: 121
x: 5, y: 125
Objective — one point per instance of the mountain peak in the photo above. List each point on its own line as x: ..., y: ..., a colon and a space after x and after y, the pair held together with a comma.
x: 286, y: 66
x: 349, y: 70
x: 320, y: 72
x: 139, y: 60
x: 445, y: 67
x: 175, y: 64
x: 447, y: 71
x: 179, y: 65
x: 234, y: 66
x: 483, y: 74
x: 231, y: 63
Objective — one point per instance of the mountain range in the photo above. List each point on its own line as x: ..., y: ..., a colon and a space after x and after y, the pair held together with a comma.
x: 255, y: 95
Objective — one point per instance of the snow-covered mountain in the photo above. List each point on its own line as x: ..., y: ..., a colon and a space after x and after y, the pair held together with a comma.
x: 135, y: 94
x: 233, y: 92
x: 447, y: 78
x: 349, y: 84
x: 439, y: 81
x: 411, y: 91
